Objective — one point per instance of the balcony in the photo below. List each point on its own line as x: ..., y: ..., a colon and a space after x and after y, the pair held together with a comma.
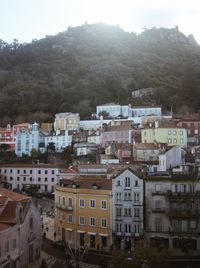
x: 186, y: 213
x: 158, y: 210
x: 182, y: 195
x: 158, y: 193
x: 63, y: 207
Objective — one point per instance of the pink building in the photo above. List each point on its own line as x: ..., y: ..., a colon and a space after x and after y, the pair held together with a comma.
x: 117, y: 134
x: 20, y: 230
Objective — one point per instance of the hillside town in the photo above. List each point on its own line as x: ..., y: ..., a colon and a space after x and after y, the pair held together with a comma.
x: 128, y: 176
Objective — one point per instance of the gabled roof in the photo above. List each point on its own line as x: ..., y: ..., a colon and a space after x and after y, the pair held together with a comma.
x: 139, y: 174
x: 87, y: 183
x: 8, y: 214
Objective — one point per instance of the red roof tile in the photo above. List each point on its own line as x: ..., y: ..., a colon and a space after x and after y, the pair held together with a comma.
x: 13, y: 196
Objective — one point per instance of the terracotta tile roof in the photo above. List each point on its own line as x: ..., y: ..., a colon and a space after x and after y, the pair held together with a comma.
x: 118, y: 128
x: 3, y: 199
x: 147, y: 146
x: 13, y: 196
x: 71, y: 170
x: 9, y: 213
x: 87, y: 183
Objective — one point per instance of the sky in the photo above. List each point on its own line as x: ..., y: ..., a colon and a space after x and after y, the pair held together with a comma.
x: 26, y: 20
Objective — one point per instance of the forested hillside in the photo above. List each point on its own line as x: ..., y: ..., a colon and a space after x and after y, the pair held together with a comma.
x: 94, y: 64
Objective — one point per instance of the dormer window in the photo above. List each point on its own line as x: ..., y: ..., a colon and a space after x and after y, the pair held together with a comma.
x: 95, y: 186
x: 74, y: 185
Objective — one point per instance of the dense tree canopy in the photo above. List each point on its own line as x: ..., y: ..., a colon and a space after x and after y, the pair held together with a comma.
x: 94, y: 64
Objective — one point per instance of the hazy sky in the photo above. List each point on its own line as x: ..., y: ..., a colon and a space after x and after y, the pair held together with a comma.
x: 29, y: 19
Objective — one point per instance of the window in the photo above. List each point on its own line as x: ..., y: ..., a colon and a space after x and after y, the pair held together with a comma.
x: 127, y: 197
x: 39, y: 179
x: 39, y: 171
x: 169, y: 140
x: 92, y: 203
x: 30, y: 178
x: 10, y: 170
x: 118, y: 196
x: 136, y: 212
x: 175, y: 140
x: 128, y: 228
x: 119, y: 212
x: 81, y: 203
x: 157, y: 187
x: 137, y: 228
x: 82, y: 220
x: 18, y: 171
x: 158, y: 225
x: 127, y: 182
x: 118, y: 227
x: 169, y: 132
x: 24, y: 178
x: 136, y: 197
x: 52, y: 179
x: 193, y: 224
x: 158, y: 204
x: 45, y: 179
x: 63, y: 201
x: 136, y: 183
x: 69, y: 202
x: 181, y: 132
x: 174, y: 132
x: 46, y: 172
x: 70, y: 218
x: 17, y: 178
x: 118, y: 183
x: 92, y: 221
x: 24, y: 171
x: 181, y: 140
x: 31, y: 171
x: 127, y: 212
x: 103, y: 223
x: 52, y: 172
x: 103, y: 204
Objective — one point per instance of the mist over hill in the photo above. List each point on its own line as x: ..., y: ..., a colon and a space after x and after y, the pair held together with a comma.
x: 93, y: 64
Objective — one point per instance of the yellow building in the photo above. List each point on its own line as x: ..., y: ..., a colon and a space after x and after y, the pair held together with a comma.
x: 83, y: 212
x: 173, y: 136
x: 65, y: 121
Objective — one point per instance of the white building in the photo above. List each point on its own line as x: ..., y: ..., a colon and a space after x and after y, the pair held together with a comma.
x: 83, y: 149
x: 115, y: 110
x: 20, y: 176
x: 172, y: 158
x: 128, y: 205
x: 145, y: 111
x: 27, y: 140
x: 61, y: 139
